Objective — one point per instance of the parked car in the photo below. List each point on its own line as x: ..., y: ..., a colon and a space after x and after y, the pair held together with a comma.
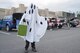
x: 0, y: 24
x: 11, y: 22
x: 52, y: 23
x: 74, y: 22
x: 60, y: 22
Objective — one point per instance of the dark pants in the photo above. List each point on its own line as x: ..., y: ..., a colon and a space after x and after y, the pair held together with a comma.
x: 27, y: 45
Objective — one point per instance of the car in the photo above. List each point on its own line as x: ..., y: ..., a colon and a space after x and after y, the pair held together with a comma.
x: 0, y: 24
x: 74, y: 22
x: 60, y: 23
x: 11, y: 21
x: 52, y: 23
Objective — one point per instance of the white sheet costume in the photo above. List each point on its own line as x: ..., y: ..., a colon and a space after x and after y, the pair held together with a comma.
x: 36, y: 25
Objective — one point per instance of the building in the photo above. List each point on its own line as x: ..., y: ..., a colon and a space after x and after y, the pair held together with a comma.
x: 42, y: 12
x: 62, y: 14
x: 22, y: 8
x: 2, y: 12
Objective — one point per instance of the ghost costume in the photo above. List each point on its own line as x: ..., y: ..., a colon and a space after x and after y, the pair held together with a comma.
x: 36, y: 25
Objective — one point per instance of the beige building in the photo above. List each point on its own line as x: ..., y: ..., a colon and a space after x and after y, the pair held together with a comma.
x: 62, y: 14
x: 46, y: 13
x: 42, y: 12
x: 22, y: 8
x: 2, y: 12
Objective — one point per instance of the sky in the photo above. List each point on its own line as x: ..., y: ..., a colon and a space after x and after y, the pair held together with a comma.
x: 52, y: 5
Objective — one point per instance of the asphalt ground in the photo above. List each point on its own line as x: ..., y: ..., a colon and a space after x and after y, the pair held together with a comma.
x: 54, y: 41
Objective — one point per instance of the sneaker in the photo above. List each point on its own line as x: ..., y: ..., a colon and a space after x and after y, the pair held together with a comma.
x: 26, y: 50
x: 34, y: 50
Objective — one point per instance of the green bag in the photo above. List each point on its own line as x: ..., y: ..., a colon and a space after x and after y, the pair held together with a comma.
x: 22, y: 30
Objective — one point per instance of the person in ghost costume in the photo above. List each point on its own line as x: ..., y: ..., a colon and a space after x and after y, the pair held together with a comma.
x: 36, y: 26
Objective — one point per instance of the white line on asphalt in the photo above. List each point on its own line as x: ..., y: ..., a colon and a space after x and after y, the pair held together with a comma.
x: 6, y: 33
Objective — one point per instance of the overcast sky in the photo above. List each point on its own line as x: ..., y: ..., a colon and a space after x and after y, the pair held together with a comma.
x: 52, y: 5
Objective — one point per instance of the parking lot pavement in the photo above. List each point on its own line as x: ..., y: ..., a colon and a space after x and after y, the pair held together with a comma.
x: 54, y: 41
x: 6, y: 33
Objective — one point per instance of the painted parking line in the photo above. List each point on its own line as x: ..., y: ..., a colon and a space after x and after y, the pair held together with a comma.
x: 6, y: 33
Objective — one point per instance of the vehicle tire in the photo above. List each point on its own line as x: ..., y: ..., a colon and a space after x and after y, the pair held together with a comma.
x: 74, y: 25
x: 7, y: 28
x: 60, y: 26
x: 0, y: 28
